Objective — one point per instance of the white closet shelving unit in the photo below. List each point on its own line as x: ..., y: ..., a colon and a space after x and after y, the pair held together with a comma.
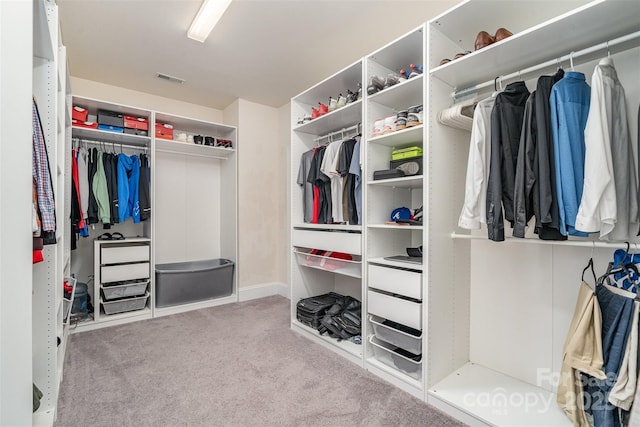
x: 195, y: 200
x: 50, y: 90
x: 193, y: 206
x: 498, y: 313
x: 347, y: 238
x: 394, y: 288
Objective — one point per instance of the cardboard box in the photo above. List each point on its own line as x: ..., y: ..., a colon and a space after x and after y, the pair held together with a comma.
x: 132, y: 122
x: 109, y: 128
x: 136, y: 132
x: 164, y: 131
x: 82, y: 124
x: 110, y: 118
x: 79, y: 113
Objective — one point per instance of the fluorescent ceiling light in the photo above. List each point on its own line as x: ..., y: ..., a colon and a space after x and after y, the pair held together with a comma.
x: 207, y: 17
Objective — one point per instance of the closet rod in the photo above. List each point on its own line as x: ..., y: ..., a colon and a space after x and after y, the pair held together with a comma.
x: 342, y: 132
x: 579, y: 243
x: 114, y: 144
x: 606, y: 46
x: 164, y: 150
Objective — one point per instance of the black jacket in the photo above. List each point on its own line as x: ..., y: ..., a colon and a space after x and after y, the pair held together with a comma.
x: 506, y: 127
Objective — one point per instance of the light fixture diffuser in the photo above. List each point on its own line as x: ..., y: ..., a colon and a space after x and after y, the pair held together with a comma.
x: 207, y: 17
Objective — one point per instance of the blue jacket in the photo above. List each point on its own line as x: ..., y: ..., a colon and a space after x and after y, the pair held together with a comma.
x: 128, y: 183
x: 569, y: 104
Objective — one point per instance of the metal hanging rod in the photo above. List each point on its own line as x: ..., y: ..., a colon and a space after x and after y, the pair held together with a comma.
x: 578, y: 243
x: 114, y: 144
x: 344, y: 133
x: 625, y: 42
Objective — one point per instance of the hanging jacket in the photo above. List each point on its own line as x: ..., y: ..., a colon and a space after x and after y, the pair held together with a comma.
x: 569, y: 103
x: 100, y: 191
x: 134, y: 189
x: 92, y: 209
x: 474, y: 209
x: 144, y: 188
x: 506, y: 127
x: 111, y: 172
x: 355, y: 170
x: 525, y: 180
x: 609, y: 200
x: 545, y: 192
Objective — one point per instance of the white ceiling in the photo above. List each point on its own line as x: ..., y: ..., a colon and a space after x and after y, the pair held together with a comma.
x: 265, y: 51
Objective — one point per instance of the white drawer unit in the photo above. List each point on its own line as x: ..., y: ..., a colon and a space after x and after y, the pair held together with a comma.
x: 397, y: 281
x: 124, y: 254
x: 124, y: 272
x: 337, y: 241
x: 396, y: 309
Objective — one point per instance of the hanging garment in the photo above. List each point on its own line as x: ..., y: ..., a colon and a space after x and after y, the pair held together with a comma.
x: 125, y: 169
x: 525, y: 179
x: 569, y: 103
x: 328, y: 167
x: 100, y: 191
x: 545, y: 190
x: 145, y: 188
x: 323, y: 187
x: 134, y: 190
x: 36, y: 225
x: 307, y: 187
x: 582, y: 352
x: 609, y: 199
x: 617, y: 312
x: 111, y: 172
x: 75, y: 215
x: 76, y: 187
x: 348, y: 192
x: 92, y: 209
x: 474, y: 209
x: 83, y: 187
x: 356, y: 171
x: 506, y: 127
x: 41, y: 173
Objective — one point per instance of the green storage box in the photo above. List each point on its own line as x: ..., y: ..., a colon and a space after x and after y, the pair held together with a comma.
x: 406, y: 153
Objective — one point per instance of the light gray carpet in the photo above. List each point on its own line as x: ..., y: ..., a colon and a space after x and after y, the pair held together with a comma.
x: 234, y: 365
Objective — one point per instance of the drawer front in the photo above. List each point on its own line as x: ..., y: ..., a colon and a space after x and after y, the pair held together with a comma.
x: 117, y: 273
x: 408, y: 313
x: 402, y: 282
x: 120, y: 254
x: 349, y: 243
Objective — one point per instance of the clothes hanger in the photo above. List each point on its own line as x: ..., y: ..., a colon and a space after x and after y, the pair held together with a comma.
x: 571, y: 60
x: 593, y: 272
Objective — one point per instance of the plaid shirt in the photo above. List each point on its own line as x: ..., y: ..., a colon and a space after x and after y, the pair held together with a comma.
x: 41, y: 174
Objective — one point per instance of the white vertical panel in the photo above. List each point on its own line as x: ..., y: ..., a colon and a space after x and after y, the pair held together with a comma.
x: 171, y: 221
x: 201, y: 213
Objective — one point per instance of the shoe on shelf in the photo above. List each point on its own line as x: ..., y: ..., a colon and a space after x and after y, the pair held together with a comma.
x: 342, y: 101
x: 483, y: 39
x: 401, y: 120
x: 376, y: 84
x: 351, y: 97
x: 409, y: 168
x: 306, y: 118
x: 315, y: 113
x: 444, y: 61
x: 461, y: 54
x: 414, y: 116
x: 391, y: 80
x: 501, y: 34
x: 333, y: 104
x: 322, y: 109
x: 416, y: 70
x: 404, y: 73
x: 359, y: 91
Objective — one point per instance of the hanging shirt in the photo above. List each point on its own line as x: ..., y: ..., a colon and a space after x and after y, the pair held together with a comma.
x: 101, y: 192
x: 329, y: 165
x: 42, y: 175
x: 307, y: 187
x: 322, y: 188
x: 545, y: 191
x: 569, y: 103
x: 356, y: 170
x: 134, y: 189
x: 506, y: 127
x: 609, y: 200
x: 92, y: 210
x: 144, y: 188
x: 474, y: 209
x: 83, y: 180
x: 525, y: 179
x: 343, y: 168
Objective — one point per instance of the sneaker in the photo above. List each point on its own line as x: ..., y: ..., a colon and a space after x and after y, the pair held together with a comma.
x: 333, y: 104
x: 391, y: 80
x: 375, y: 85
x: 351, y: 97
x: 405, y: 73
x: 414, y: 116
x: 306, y: 118
x: 342, y: 101
x: 409, y: 168
x: 416, y: 70
x: 322, y: 109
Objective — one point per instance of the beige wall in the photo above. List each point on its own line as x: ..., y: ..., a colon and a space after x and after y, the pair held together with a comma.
x: 133, y: 98
x: 262, y: 201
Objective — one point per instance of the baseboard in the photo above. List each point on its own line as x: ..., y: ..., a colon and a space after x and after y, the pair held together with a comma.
x: 263, y: 290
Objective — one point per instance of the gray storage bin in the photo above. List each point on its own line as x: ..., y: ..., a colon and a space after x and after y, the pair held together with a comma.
x: 193, y: 281
x: 125, y: 289
x: 122, y: 305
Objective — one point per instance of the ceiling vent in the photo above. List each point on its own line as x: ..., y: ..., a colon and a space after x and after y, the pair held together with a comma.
x: 169, y: 78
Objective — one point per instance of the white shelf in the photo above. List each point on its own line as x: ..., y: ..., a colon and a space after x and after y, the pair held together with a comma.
x: 42, y: 41
x: 110, y: 137
x: 400, y: 138
x: 347, y: 78
x: 401, y: 96
x: 415, y: 181
x: 399, y: 264
x: 402, y: 52
x: 393, y: 376
x: 197, y: 127
x: 187, y: 148
x: 395, y: 227
x: 338, y: 119
x: 593, y: 23
x: 343, y: 227
x: 348, y: 349
x: 478, y: 391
